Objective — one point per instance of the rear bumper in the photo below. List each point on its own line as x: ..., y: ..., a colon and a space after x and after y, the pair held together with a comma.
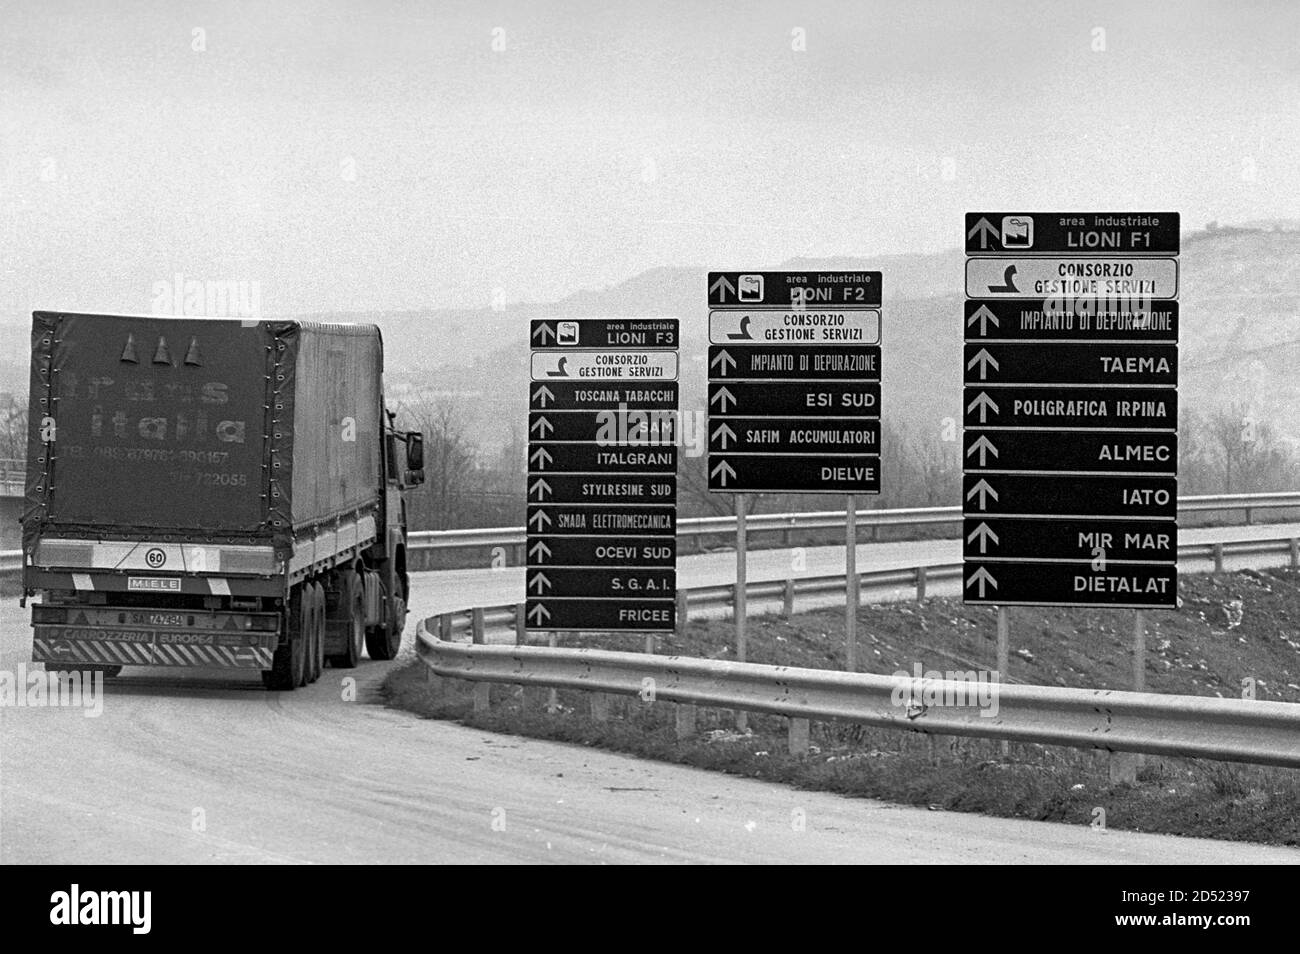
x: 139, y: 636
x: 107, y: 651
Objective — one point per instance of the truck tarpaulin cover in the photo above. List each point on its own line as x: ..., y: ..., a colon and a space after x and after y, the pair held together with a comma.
x: 143, y: 425
x: 329, y: 383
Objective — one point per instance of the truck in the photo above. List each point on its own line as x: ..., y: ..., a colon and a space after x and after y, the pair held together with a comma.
x: 210, y: 492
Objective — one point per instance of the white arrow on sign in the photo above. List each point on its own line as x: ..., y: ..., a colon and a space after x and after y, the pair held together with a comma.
x: 539, y: 551
x: 983, y: 359
x: 539, y: 613
x: 982, y: 230
x: 723, y: 468
x: 541, y: 457
x: 983, y: 316
x: 545, y: 332
x: 983, y: 403
x: 722, y: 285
x: 540, y: 487
x: 721, y: 398
x: 541, y: 519
x: 541, y: 582
x: 542, y: 395
x: 985, y: 447
x: 542, y: 426
x: 984, y: 490
x: 979, y: 578
x: 983, y: 533
x: 723, y: 361
x: 726, y: 433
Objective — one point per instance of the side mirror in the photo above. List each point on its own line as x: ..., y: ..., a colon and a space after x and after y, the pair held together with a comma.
x: 415, y: 457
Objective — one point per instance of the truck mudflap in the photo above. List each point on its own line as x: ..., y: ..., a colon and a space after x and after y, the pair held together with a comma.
x: 144, y: 637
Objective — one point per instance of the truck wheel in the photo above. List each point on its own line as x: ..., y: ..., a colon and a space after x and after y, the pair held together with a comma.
x: 383, y: 641
x: 316, y: 627
x: 311, y: 609
x: 351, y: 602
x: 290, y: 656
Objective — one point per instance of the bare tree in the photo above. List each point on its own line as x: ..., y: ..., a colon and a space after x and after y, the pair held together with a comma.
x: 1250, y: 453
x: 13, y: 428
x: 450, y: 461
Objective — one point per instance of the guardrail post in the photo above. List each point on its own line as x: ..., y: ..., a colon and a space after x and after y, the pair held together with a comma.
x: 1123, y: 768
x: 599, y: 707
x: 685, y: 720
x: 682, y: 615
x: 920, y: 584
x: 476, y: 625
x: 799, y: 730
x: 482, y: 696
x: 521, y: 625
x: 1248, y: 516
x: 428, y: 673
x: 787, y: 600
x: 1295, y: 553
x: 444, y: 626
x: 1218, y: 558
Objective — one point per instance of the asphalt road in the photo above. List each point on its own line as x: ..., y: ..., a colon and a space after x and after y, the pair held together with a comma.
x: 215, y: 769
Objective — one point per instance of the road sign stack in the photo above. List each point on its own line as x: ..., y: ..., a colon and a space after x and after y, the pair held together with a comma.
x: 1071, y: 409
x: 601, y: 551
x: 794, y: 382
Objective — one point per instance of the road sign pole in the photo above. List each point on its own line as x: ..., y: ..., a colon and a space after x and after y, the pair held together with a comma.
x: 1004, y: 654
x: 1139, y: 671
x: 552, y: 696
x: 1139, y: 651
x: 742, y: 720
x: 851, y: 577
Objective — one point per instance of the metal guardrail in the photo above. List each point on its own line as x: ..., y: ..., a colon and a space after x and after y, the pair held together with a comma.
x: 477, y: 620
x: 437, y: 540
x: 696, y: 527
x: 1266, y: 733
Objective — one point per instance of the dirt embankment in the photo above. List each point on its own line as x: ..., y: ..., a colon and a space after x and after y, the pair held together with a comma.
x: 1232, y: 634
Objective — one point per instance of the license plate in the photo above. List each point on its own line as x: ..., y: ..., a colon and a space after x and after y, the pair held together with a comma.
x: 159, y: 619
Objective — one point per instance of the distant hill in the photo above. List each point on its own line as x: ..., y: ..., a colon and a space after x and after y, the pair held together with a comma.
x: 1240, y: 294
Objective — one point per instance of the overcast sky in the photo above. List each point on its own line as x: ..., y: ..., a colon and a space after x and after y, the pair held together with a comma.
x: 384, y: 155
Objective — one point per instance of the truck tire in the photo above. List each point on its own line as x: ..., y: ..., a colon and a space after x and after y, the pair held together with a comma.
x: 290, y: 656
x: 383, y: 641
x: 320, y: 629
x: 316, y: 645
x: 352, y: 608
